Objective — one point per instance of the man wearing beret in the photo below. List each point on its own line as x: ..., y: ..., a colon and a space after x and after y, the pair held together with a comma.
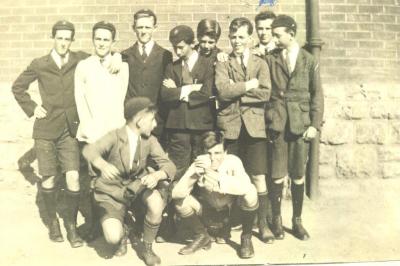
x: 294, y: 116
x: 186, y: 92
x: 56, y: 123
x: 243, y: 85
x: 147, y: 62
x: 122, y: 157
x: 99, y: 97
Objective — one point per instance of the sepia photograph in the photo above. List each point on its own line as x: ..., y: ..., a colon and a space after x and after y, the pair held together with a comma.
x: 210, y: 132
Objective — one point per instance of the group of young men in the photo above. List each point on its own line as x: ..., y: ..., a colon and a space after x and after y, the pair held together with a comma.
x: 209, y: 131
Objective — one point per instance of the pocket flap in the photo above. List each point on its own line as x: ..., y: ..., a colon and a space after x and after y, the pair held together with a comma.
x: 304, y: 106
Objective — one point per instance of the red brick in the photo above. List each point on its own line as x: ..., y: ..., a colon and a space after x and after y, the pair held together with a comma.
x: 215, y: 8
x: 392, y: 27
x: 370, y: 9
x: 371, y: 27
x: 344, y: 8
x: 358, y: 17
x: 241, y: 8
x: 344, y: 26
x: 200, y: 16
x: 384, y: 35
x: 94, y: 9
x: 358, y: 35
x: 370, y: 63
x: 385, y: 53
x: 192, y: 8
x: 165, y: 8
x: 35, y: 19
x: 392, y: 10
x: 332, y: 17
x: 359, y: 53
x: 345, y: 44
x: 383, y: 18
x: 371, y: 44
x: 182, y: 17
x: 334, y: 52
x: 324, y: 8
x: 35, y: 36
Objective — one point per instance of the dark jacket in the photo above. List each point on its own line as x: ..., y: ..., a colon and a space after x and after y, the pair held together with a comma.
x: 296, y: 97
x: 56, y: 88
x: 197, y: 113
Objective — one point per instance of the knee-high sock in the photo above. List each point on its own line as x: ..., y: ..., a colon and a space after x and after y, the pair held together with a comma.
x: 49, y: 198
x: 149, y: 231
x: 297, y: 199
x: 262, y: 208
x: 276, y: 198
x: 247, y: 221
x: 72, y: 202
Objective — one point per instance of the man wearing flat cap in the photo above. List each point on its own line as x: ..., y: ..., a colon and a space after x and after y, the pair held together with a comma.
x: 122, y: 157
x: 186, y: 92
x: 56, y: 123
x: 294, y: 116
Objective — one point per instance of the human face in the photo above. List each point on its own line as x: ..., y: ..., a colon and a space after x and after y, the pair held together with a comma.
x: 102, y: 42
x: 217, y: 155
x: 144, y: 28
x: 207, y: 44
x: 146, y: 123
x: 282, y: 38
x: 62, y: 41
x: 264, y: 32
x: 183, y: 50
x: 240, y: 40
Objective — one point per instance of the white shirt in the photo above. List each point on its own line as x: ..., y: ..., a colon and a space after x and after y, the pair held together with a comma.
x: 99, y: 97
x: 148, y: 47
x: 57, y: 58
x: 246, y: 56
x: 269, y: 47
x: 292, y: 53
x: 191, y: 61
x: 133, y: 140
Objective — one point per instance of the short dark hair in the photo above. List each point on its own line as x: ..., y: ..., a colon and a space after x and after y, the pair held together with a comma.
x: 104, y: 25
x: 263, y: 15
x: 208, y: 27
x: 210, y: 139
x: 239, y: 22
x: 144, y: 13
x: 181, y: 33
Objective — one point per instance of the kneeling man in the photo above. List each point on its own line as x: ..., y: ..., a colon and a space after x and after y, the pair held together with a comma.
x: 122, y: 157
x: 222, y: 180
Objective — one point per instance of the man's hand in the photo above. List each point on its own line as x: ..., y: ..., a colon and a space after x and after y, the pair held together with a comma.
x: 310, y: 133
x: 252, y: 84
x: 115, y: 64
x: 39, y: 112
x: 222, y: 57
x: 195, y: 87
x: 210, y: 180
x: 150, y: 180
x: 109, y: 171
x: 169, y: 83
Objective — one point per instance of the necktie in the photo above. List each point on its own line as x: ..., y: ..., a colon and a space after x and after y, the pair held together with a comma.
x: 144, y: 54
x: 288, y: 63
x: 63, y: 61
x: 186, y: 75
x: 242, y: 64
x: 101, y: 61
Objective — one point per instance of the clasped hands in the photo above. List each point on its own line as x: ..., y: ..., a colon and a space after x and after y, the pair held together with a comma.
x: 207, y: 177
x: 185, y: 91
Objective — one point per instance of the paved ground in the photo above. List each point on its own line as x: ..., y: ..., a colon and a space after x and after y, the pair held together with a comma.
x: 354, y: 220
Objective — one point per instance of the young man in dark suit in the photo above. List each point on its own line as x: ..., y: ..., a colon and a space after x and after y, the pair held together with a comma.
x: 147, y: 62
x: 243, y: 84
x: 294, y: 115
x: 122, y: 157
x: 56, y: 122
x: 186, y: 92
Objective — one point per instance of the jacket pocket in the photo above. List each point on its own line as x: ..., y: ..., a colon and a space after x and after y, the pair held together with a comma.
x: 305, y: 108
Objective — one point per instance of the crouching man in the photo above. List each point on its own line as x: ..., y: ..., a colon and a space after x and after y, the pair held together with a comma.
x: 121, y: 156
x: 222, y: 180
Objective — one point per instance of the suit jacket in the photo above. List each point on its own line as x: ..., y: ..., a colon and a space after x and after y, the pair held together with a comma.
x: 114, y: 149
x: 197, y: 113
x: 237, y: 105
x: 56, y: 88
x: 296, y: 98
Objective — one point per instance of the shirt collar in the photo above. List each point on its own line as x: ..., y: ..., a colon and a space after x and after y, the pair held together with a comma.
x: 246, y: 56
x: 105, y: 60
x: 57, y: 58
x: 131, y: 135
x: 148, y: 46
x: 191, y: 60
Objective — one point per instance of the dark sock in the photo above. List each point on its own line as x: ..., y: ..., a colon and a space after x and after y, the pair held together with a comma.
x: 72, y: 202
x: 193, y: 222
x: 247, y: 221
x: 297, y: 199
x: 149, y: 231
x: 262, y: 208
x: 276, y: 198
x: 49, y: 199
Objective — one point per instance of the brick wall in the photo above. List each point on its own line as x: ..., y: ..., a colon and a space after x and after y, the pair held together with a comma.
x: 360, y: 66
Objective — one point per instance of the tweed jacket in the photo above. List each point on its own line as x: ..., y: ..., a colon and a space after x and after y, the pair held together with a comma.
x: 196, y: 114
x: 56, y: 88
x: 237, y: 107
x: 296, y: 98
x: 114, y: 148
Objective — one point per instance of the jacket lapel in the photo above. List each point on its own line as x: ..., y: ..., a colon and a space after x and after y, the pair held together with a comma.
x: 234, y: 64
x: 300, y: 61
x: 124, y: 150
x: 136, y: 54
x: 250, y: 66
x: 280, y: 62
x: 155, y: 52
x: 178, y: 71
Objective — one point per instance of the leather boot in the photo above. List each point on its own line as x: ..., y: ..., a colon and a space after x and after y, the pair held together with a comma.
x: 201, y: 241
x: 277, y: 228
x: 72, y: 201
x: 50, y: 199
x: 265, y: 233
x: 246, y: 247
x: 148, y: 255
x: 298, y: 230
x: 123, y: 245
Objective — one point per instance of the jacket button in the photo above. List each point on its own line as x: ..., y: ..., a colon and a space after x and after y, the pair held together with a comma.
x: 282, y: 93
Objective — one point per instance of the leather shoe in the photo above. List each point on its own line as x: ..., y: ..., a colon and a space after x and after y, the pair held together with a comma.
x: 298, y: 230
x: 246, y: 247
x: 277, y: 228
x: 55, y: 231
x: 148, y: 255
x: 72, y: 236
x: 265, y: 233
x: 201, y: 241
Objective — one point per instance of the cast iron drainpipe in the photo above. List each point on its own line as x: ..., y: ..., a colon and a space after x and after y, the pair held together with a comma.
x: 314, y: 44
